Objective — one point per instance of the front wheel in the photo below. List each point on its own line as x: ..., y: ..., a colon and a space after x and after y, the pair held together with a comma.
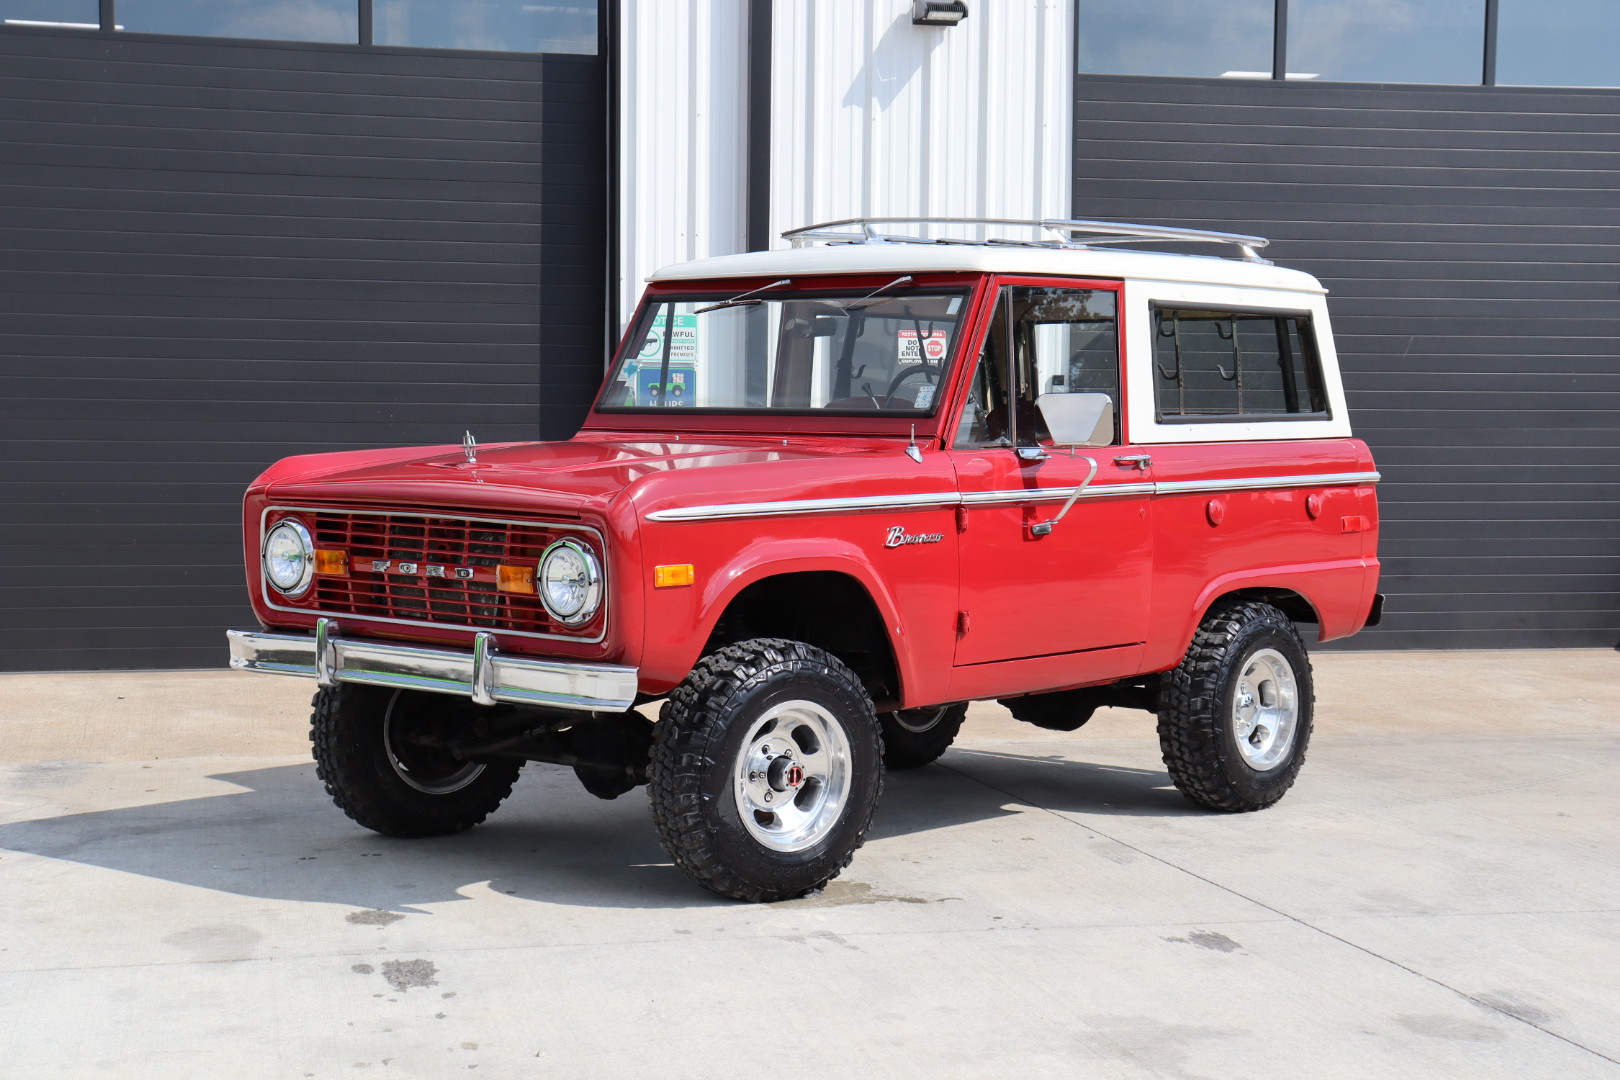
x: 1235, y: 715
x: 380, y: 753
x: 766, y: 768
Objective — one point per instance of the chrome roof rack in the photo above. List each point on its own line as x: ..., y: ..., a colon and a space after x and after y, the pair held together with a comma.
x: 1062, y: 233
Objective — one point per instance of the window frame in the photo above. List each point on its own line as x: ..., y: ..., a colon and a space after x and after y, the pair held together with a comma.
x: 647, y: 309
x: 1313, y: 367
x: 997, y: 291
x: 1144, y: 425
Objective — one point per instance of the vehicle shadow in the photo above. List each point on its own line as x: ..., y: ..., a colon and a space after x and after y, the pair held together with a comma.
x: 279, y: 836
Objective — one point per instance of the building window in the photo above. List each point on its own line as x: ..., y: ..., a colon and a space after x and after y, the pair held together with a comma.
x: 1176, y: 37
x: 1235, y: 364
x: 555, y: 26
x: 279, y: 20
x: 61, y: 14
x: 1558, y: 43
x: 1401, y: 41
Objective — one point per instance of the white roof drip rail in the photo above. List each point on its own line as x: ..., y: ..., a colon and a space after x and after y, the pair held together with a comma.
x: 1061, y: 233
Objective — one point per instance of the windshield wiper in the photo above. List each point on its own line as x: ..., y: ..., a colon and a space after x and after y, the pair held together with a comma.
x: 741, y: 299
x: 853, y: 304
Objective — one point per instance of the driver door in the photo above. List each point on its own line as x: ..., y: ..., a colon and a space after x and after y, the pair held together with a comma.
x: 1084, y: 586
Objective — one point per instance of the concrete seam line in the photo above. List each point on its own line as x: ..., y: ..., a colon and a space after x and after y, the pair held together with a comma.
x: 1286, y: 915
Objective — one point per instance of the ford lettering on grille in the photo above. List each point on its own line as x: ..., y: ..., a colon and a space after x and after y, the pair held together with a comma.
x: 438, y: 570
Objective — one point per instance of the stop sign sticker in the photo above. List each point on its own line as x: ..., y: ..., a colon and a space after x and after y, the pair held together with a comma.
x: 933, y: 348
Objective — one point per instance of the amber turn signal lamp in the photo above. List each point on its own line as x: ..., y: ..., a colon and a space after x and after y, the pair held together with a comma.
x: 332, y: 563
x: 667, y: 577
x: 515, y: 579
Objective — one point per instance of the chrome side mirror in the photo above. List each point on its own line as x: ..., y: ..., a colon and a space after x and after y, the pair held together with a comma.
x: 1075, y: 420
x: 1078, y: 419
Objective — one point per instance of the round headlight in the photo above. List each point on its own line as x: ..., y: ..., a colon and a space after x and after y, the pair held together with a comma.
x: 570, y: 582
x: 289, y: 557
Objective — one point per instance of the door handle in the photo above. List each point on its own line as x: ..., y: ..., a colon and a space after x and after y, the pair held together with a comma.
x: 1134, y: 461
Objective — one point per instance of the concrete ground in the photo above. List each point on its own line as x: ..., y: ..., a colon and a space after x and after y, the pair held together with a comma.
x: 1437, y: 897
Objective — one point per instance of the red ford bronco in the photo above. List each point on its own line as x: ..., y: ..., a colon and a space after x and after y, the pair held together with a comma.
x: 826, y: 497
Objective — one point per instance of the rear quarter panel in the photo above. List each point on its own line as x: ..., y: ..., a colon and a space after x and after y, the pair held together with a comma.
x: 1211, y: 543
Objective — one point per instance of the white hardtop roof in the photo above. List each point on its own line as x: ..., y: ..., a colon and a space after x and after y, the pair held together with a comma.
x: 904, y: 258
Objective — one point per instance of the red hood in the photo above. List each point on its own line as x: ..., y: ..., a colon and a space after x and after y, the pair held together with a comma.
x: 585, y: 473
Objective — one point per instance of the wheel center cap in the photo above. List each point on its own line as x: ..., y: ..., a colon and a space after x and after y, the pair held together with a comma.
x: 785, y: 775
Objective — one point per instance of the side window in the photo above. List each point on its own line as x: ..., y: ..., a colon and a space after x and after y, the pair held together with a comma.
x: 1226, y: 364
x: 1043, y: 340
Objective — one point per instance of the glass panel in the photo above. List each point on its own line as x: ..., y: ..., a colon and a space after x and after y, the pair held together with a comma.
x: 557, y: 26
x: 1065, y: 341
x: 850, y: 352
x: 1222, y: 363
x: 1401, y: 41
x: 76, y: 14
x: 1176, y: 37
x: 1558, y: 43
x: 276, y: 20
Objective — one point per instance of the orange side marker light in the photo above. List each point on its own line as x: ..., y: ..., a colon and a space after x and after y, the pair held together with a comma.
x: 667, y: 577
x: 332, y: 562
x: 514, y: 579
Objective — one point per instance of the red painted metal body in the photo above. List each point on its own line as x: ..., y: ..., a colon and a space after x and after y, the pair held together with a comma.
x: 1114, y: 591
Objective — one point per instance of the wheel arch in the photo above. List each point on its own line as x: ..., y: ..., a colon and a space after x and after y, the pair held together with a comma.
x: 1290, y: 599
x: 825, y: 603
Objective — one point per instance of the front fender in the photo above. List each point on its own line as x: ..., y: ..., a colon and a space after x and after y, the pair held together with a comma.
x: 680, y: 621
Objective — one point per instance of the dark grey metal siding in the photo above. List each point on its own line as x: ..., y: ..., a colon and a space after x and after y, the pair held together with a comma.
x: 1470, y: 240
x: 214, y: 254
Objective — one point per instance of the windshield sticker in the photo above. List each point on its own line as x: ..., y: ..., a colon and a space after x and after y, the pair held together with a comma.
x: 650, y: 391
x: 934, y: 346
x: 925, y: 396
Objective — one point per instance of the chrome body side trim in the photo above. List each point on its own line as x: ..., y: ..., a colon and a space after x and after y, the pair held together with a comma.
x: 265, y: 588
x: 1013, y: 496
x: 482, y: 674
x: 785, y: 507
x: 924, y: 501
x: 1249, y: 483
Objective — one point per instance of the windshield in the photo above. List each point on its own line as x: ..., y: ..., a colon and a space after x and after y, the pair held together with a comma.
x: 782, y: 349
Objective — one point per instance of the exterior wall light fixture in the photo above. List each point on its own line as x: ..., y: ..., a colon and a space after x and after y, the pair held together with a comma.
x: 938, y: 12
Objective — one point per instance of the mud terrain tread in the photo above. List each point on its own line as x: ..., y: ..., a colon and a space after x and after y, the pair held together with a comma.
x: 1191, y: 735
x: 904, y: 749
x: 346, y: 735
x: 691, y: 733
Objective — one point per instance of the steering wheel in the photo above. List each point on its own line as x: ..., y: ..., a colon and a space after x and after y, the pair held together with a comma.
x: 931, y: 370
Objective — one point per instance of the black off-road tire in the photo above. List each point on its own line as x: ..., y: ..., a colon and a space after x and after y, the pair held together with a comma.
x: 1197, y: 732
x: 913, y: 738
x: 700, y: 740
x: 353, y: 759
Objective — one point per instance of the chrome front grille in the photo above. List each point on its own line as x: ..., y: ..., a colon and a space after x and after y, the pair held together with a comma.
x: 438, y: 569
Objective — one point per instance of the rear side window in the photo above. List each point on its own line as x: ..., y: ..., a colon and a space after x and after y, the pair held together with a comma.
x: 1219, y: 364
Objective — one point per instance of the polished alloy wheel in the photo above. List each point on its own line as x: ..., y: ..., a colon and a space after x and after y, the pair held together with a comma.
x: 793, y: 776
x: 428, y: 769
x: 1265, y: 709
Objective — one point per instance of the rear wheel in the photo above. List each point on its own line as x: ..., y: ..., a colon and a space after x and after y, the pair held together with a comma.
x: 914, y: 737
x: 1235, y: 716
x: 766, y: 769
x: 380, y: 753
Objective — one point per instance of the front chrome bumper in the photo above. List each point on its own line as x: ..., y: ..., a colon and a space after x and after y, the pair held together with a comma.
x: 480, y: 674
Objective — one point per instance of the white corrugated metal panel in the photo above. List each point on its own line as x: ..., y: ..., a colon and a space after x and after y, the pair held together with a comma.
x: 682, y: 84
x: 872, y: 115
x: 869, y: 115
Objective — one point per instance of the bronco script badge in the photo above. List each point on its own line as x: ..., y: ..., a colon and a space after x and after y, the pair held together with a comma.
x: 898, y: 537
